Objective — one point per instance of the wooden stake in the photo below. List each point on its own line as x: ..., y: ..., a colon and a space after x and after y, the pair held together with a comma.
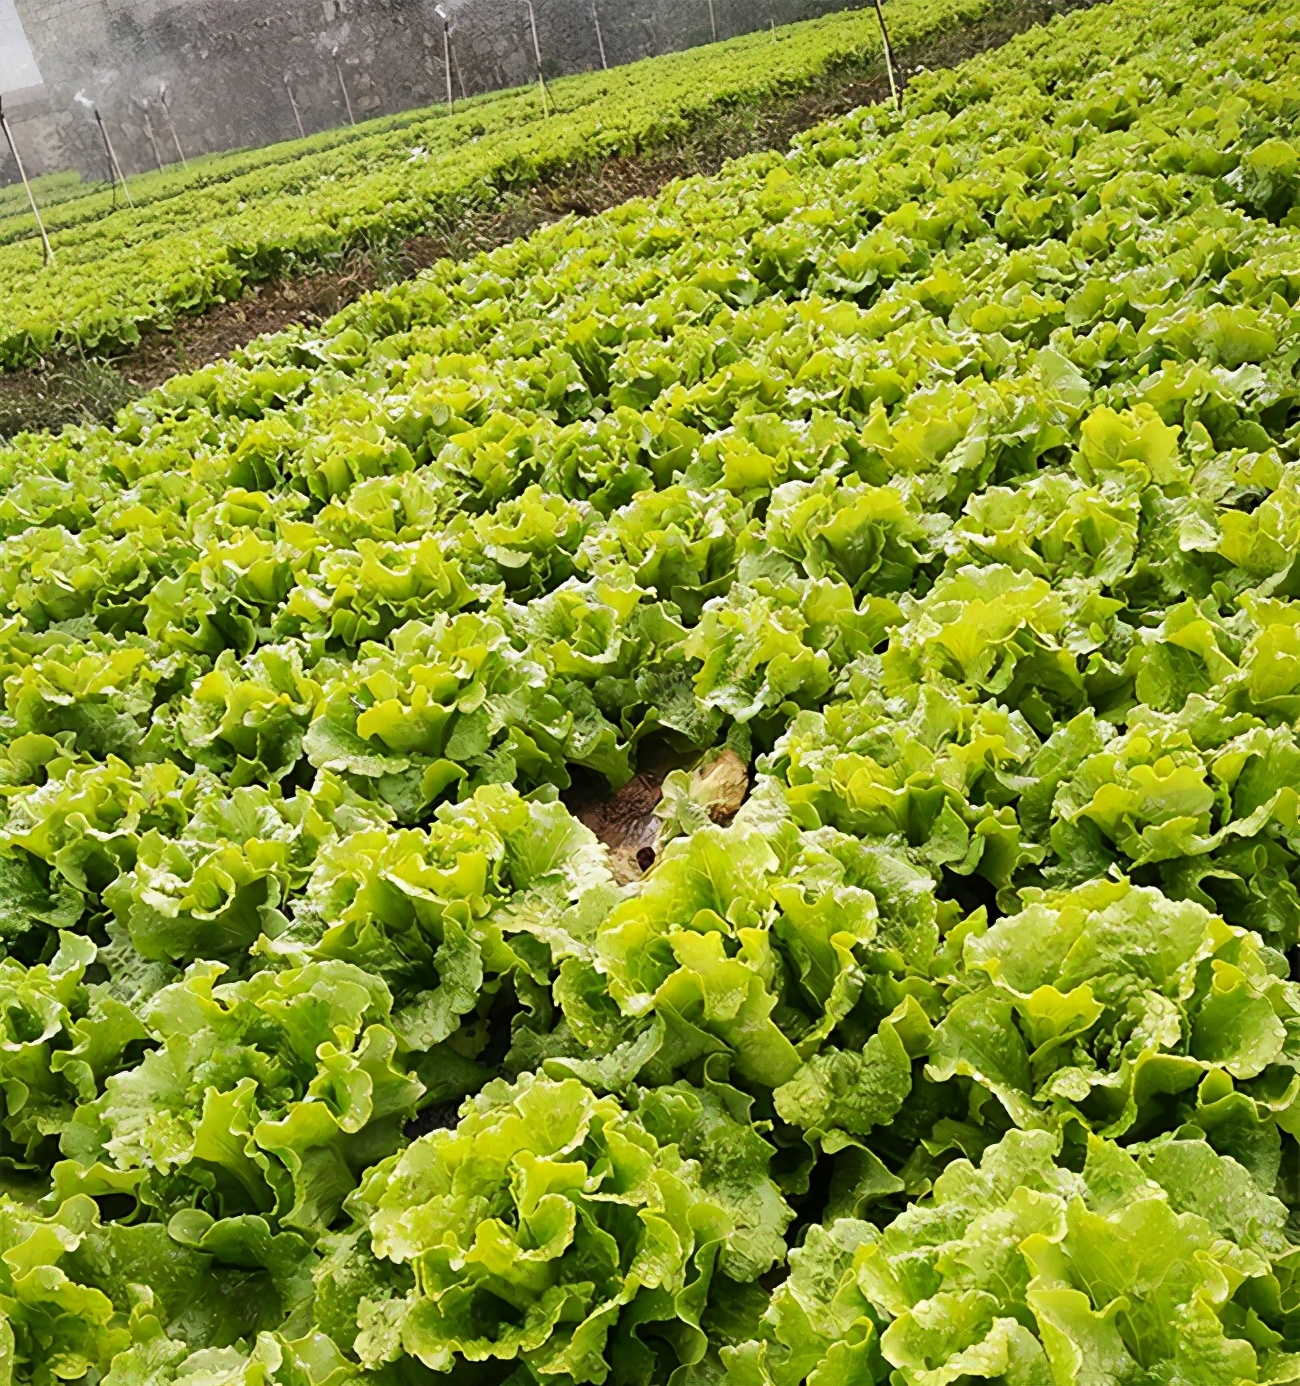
x: 288, y: 86
x: 600, y: 38
x: 47, y: 250
x: 112, y: 158
x: 713, y: 21
x: 889, y: 56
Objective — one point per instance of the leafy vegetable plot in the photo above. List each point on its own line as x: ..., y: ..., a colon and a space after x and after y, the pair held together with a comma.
x: 943, y: 475
x: 201, y: 234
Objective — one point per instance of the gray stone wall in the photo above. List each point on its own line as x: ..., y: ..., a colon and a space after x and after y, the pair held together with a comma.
x: 222, y: 64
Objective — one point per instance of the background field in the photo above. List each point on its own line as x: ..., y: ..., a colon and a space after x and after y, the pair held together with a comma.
x: 199, y: 236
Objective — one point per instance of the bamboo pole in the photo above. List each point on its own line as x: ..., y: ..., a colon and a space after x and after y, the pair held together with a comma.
x: 297, y: 115
x: 112, y: 158
x: 889, y: 56
x: 446, y: 58
x: 153, y: 143
x: 713, y: 21
x: 600, y: 38
x: 343, y: 86
x: 47, y: 250
x: 171, y: 125
x: 537, y: 53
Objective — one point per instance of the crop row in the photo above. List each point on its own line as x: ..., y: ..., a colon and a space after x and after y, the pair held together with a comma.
x: 943, y: 472
x: 69, y: 202
x: 51, y: 189
x: 206, y: 234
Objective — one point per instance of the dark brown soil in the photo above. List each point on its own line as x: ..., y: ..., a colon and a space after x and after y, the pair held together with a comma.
x: 86, y: 390
x: 626, y: 823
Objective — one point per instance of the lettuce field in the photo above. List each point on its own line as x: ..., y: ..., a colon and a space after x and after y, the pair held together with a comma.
x: 202, y: 235
x: 945, y: 474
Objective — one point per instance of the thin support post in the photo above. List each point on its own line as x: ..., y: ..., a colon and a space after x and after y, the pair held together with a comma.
x: 713, y: 21
x: 446, y: 61
x: 600, y: 38
x: 537, y: 53
x: 47, y: 250
x: 889, y: 56
x: 153, y: 143
x: 112, y: 158
x: 293, y: 101
x: 171, y: 125
x: 343, y: 86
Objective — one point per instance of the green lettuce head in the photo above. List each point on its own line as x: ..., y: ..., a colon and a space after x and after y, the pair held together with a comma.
x: 562, y: 1230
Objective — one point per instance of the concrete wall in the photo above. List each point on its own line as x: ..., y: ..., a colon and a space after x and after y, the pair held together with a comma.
x: 223, y: 63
